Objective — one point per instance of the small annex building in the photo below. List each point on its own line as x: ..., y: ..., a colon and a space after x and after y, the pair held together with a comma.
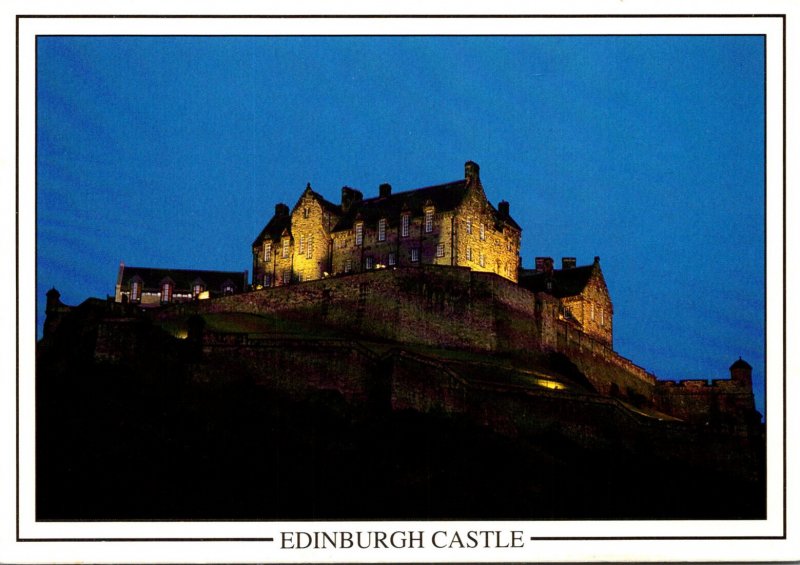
x: 583, y: 295
x: 448, y: 224
x: 148, y: 286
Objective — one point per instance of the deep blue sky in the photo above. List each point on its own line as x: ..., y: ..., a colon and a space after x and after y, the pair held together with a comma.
x: 646, y: 151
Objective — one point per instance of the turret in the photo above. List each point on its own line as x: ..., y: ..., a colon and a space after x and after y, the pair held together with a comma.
x: 742, y: 373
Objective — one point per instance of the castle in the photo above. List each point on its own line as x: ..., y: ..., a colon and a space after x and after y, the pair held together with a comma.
x: 433, y: 267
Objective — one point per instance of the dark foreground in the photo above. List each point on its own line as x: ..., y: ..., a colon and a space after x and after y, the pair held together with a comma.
x: 148, y: 443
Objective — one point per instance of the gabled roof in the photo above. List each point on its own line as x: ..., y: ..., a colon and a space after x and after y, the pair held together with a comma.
x: 183, y: 278
x: 443, y: 197
x: 326, y: 205
x: 564, y: 282
x: 274, y: 229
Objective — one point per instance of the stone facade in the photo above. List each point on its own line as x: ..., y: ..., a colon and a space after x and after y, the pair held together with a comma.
x: 451, y: 224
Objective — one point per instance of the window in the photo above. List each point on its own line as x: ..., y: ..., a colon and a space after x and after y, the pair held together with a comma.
x: 602, y: 317
x: 305, y: 212
x: 392, y: 260
x: 197, y: 289
x: 227, y: 289
x: 310, y: 247
x: 136, y: 291
x: 440, y: 250
x: 359, y: 233
x: 287, y: 276
x: 482, y: 260
x: 483, y: 232
x: 166, y: 292
x: 404, y: 226
x: 348, y: 266
x: 267, y: 280
x: 285, y: 252
x: 302, y: 245
x: 267, y: 252
x: 382, y: 229
x: 469, y: 226
x: 414, y: 254
x: 368, y: 262
x: 428, y: 221
x: 469, y: 253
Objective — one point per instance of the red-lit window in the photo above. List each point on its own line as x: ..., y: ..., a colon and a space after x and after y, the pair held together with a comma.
x: 166, y: 292
x: 197, y: 289
x: 136, y: 291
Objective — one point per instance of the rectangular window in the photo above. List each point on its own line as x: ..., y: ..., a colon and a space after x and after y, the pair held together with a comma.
x: 302, y: 245
x: 382, y: 229
x: 166, y: 292
x: 404, y: 227
x: 285, y: 252
x: 469, y: 253
x: 368, y: 262
x: 287, y: 276
x: 414, y: 254
x: 392, y: 259
x: 197, y: 289
x: 440, y: 250
x: 428, y: 221
x: 348, y: 266
x: 310, y: 247
x: 469, y: 226
x: 267, y: 280
x: 268, y: 252
x: 483, y: 232
x: 482, y: 260
x: 359, y: 234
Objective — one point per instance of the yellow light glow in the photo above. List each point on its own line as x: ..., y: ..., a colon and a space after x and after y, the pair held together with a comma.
x: 203, y: 295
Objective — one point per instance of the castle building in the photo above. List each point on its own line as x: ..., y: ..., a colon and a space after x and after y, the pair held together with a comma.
x: 149, y: 286
x: 582, y: 293
x: 448, y: 224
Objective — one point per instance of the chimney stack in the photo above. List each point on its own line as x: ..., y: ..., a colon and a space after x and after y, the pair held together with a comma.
x: 281, y: 209
x: 568, y: 262
x: 385, y: 190
x: 503, y: 207
x: 472, y: 172
x: 349, y: 197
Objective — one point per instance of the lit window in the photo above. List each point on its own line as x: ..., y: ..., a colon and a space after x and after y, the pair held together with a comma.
x: 310, y: 247
x: 136, y: 291
x: 166, y: 292
x: 392, y: 260
x: 368, y: 262
x: 348, y: 266
x: 197, y: 289
x: 469, y: 226
x: 414, y: 255
x: 302, y: 245
x: 382, y: 229
x: 227, y: 289
x: 602, y: 317
x: 285, y: 252
x: 469, y: 253
x: 305, y: 212
x: 482, y: 260
x: 359, y: 234
x: 267, y: 280
x: 483, y: 232
x: 404, y: 228
x: 440, y: 250
x: 428, y: 221
x: 287, y: 276
x: 267, y: 252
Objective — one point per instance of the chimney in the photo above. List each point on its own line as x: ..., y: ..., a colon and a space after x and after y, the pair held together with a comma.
x: 472, y: 171
x: 539, y: 264
x: 385, y: 190
x: 281, y: 209
x: 568, y: 262
x: 349, y: 196
x: 503, y: 208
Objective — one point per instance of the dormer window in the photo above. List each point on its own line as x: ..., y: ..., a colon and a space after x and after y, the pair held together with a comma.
x: 405, y: 220
x: 166, y: 291
x: 429, y: 220
x: 382, y: 229
x: 268, y: 251
x: 359, y: 233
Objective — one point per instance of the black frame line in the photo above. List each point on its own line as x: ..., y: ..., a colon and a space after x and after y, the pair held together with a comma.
x: 401, y: 16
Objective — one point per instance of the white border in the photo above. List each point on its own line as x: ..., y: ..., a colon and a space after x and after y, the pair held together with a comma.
x: 550, y: 550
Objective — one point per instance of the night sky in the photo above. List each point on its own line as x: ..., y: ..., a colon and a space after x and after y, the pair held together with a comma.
x: 646, y: 151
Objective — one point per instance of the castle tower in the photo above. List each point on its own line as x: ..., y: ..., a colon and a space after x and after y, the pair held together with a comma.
x: 742, y: 373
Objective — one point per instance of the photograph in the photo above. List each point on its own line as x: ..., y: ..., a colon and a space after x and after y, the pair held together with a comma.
x: 377, y: 285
